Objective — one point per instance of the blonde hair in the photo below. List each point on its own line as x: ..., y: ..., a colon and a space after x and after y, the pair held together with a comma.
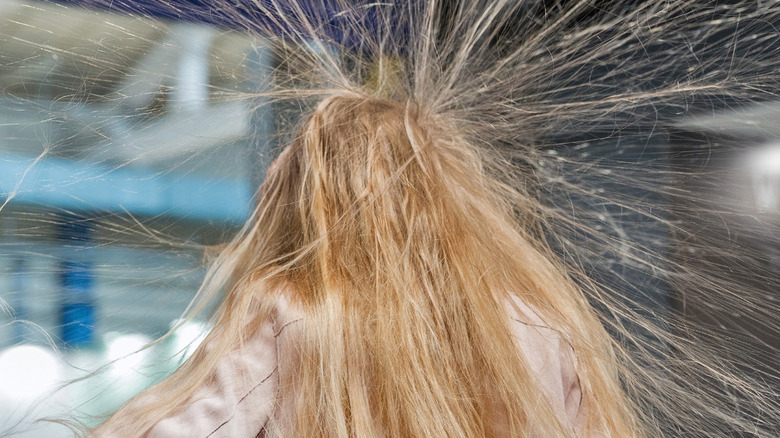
x: 386, y: 226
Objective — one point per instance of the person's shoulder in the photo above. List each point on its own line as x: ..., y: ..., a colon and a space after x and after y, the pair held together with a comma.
x: 550, y: 356
x: 537, y: 336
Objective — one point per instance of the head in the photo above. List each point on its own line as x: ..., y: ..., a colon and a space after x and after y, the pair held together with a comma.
x: 363, y: 175
x: 385, y: 225
x: 380, y: 208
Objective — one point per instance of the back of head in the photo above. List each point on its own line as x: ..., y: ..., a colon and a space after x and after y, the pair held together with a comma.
x: 407, y: 256
x: 380, y: 174
x: 384, y: 225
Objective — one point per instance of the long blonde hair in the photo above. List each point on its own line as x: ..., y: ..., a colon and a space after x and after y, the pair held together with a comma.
x: 403, y: 251
x: 384, y: 223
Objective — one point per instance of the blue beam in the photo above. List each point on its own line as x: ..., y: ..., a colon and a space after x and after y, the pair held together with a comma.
x: 89, y: 187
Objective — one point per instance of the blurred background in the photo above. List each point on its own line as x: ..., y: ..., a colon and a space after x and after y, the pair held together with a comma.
x: 118, y: 137
x: 132, y: 138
